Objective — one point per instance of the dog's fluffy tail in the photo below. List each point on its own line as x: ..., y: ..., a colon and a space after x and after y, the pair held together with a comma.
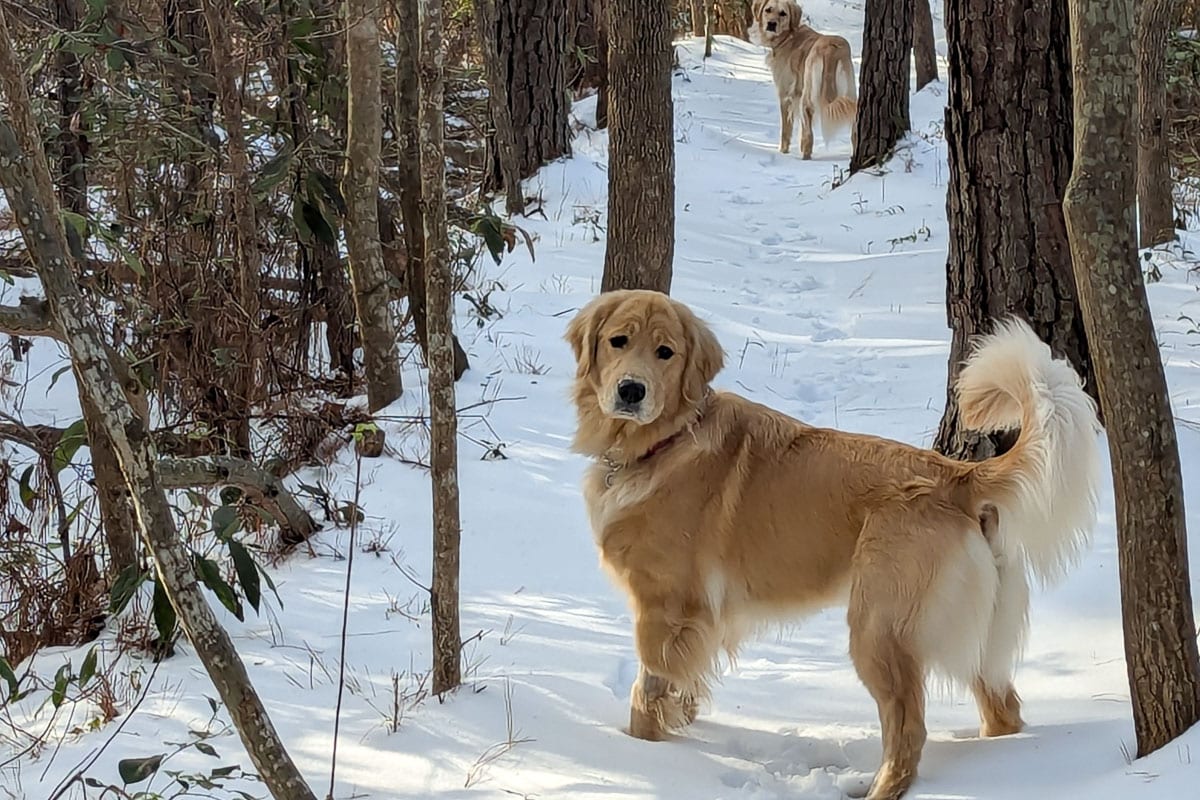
x: 837, y: 102
x: 1045, y: 487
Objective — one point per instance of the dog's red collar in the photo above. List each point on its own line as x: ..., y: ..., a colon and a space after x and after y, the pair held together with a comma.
x: 616, y: 466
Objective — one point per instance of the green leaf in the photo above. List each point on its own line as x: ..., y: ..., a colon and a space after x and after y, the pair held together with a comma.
x: 133, y: 262
x: 124, y: 587
x: 10, y: 677
x: 77, y: 222
x: 316, y: 222
x: 88, y: 670
x: 114, y: 59
x: 224, y: 772
x: 247, y: 572
x: 302, y: 230
x: 300, y: 28
x: 58, y: 374
x: 136, y: 770
x: 210, y: 576
x: 272, y: 172
x: 164, y: 613
x: 62, y: 679
x: 25, y: 488
x: 321, y: 185
x: 69, y: 443
x: 225, y: 522
x: 207, y: 749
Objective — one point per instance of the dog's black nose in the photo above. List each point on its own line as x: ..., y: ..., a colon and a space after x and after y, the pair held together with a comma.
x: 631, y: 392
x: 771, y: 27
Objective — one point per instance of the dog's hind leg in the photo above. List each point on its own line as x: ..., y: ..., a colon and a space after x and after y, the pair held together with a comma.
x: 787, y: 122
x: 999, y: 704
x: 677, y: 657
x: 806, y: 129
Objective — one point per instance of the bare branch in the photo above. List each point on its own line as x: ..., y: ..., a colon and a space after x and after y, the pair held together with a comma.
x: 30, y: 317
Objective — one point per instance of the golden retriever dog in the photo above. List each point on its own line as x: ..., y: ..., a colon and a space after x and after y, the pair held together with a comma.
x: 716, y: 516
x: 813, y: 74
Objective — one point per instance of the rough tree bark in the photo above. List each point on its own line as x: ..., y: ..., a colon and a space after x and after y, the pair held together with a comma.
x: 1156, y: 204
x: 924, y: 48
x: 1008, y: 129
x: 503, y: 136
x: 368, y: 276
x: 443, y: 455
x: 28, y: 187
x: 699, y: 11
x: 531, y: 39
x: 244, y: 387
x: 602, y: 45
x: 409, y: 169
x: 883, y: 83
x: 640, y: 246
x: 1160, y: 632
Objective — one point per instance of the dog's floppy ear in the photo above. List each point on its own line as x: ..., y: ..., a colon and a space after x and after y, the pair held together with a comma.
x: 704, y: 355
x: 585, y: 327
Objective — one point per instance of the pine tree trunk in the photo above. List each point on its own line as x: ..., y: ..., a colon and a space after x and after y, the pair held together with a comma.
x: 1156, y: 605
x: 29, y: 189
x: 502, y: 137
x: 924, y: 43
x: 244, y: 387
x: 368, y: 276
x: 531, y: 41
x: 641, y: 148
x: 443, y: 456
x: 602, y: 65
x: 1156, y: 204
x: 883, y: 84
x: 1008, y: 129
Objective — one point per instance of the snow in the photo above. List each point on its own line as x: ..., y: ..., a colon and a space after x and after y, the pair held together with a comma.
x: 830, y: 306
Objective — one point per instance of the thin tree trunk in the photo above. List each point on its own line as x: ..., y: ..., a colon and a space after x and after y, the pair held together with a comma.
x: 116, y: 511
x: 1160, y: 632
x: 409, y: 169
x: 372, y: 295
x: 1008, y: 60
x: 244, y: 386
x: 601, y: 11
x: 883, y: 116
x: 924, y: 47
x: 1156, y: 204
x: 502, y: 135
x: 28, y: 187
x: 443, y: 455
x: 710, y: 17
x: 641, y: 148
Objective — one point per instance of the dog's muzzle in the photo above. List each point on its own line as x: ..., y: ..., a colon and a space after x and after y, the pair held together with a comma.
x: 771, y: 27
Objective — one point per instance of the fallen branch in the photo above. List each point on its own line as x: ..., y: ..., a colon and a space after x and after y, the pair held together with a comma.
x: 261, y: 487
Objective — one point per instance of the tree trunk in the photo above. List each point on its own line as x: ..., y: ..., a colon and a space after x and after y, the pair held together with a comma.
x: 602, y: 45
x: 408, y: 138
x: 699, y: 13
x: 244, y: 386
x: 924, y: 47
x: 443, y: 454
x: 72, y: 143
x: 502, y: 137
x: 368, y: 276
x: 531, y: 39
x: 28, y: 187
x: 1008, y: 129
x: 641, y: 148
x: 1156, y: 204
x: 883, y: 83
x: 1160, y: 632
x: 710, y: 17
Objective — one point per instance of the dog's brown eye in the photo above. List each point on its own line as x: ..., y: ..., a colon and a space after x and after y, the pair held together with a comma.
x: 619, y: 341
x: 665, y: 352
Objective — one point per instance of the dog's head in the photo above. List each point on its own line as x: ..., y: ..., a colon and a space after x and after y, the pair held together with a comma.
x: 775, y: 19
x: 642, y: 359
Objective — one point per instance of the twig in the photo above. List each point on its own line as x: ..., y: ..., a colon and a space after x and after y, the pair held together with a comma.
x: 337, y: 710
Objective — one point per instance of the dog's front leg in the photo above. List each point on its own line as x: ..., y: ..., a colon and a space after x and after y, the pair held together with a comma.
x: 675, y: 658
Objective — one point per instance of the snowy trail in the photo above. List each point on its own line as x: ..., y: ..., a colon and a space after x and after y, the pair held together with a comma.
x: 830, y: 306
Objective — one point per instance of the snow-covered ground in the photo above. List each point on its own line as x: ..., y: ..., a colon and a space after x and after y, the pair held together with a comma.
x: 830, y: 306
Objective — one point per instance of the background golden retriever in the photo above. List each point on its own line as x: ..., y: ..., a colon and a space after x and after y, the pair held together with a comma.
x: 813, y: 74
x: 717, y: 515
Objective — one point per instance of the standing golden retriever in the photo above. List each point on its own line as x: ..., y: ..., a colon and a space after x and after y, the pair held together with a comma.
x: 813, y: 74
x: 717, y: 515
